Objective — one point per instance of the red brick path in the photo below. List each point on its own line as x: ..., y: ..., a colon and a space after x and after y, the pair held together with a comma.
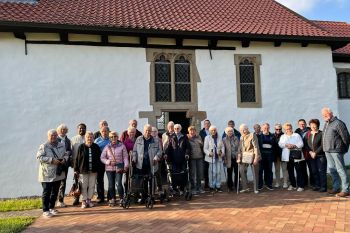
x: 269, y: 211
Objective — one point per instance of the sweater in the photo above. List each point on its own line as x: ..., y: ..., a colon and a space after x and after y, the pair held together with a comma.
x: 81, y: 164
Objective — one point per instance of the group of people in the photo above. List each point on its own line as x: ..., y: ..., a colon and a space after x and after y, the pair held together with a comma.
x: 209, y: 156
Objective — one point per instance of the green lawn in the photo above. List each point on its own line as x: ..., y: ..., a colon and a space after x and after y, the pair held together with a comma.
x: 20, y: 204
x: 15, y: 224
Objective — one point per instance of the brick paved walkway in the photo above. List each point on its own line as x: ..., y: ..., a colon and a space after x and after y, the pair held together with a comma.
x: 269, y: 211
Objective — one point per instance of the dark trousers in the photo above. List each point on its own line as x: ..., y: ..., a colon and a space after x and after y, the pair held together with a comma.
x: 144, y: 180
x: 232, y: 169
x: 49, y: 196
x: 62, y: 188
x: 113, y: 179
x: 100, y: 185
x: 299, y: 182
x: 206, y: 176
x: 265, y: 170
x: 319, y: 171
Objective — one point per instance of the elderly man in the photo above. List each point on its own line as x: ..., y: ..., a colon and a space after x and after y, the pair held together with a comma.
x: 169, y: 134
x: 132, y: 123
x: 52, y: 157
x: 76, y: 141
x: 101, y: 141
x: 146, y: 154
x: 62, y: 131
x: 336, y: 140
x: 203, y: 133
x: 101, y: 124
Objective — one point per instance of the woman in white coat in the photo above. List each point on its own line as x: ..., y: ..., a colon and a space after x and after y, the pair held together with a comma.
x: 214, y: 152
x: 292, y: 141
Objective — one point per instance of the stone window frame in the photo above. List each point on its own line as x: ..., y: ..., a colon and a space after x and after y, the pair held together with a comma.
x: 191, y: 108
x: 339, y: 71
x: 256, y: 60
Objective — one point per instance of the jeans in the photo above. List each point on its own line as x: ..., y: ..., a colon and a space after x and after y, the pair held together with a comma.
x: 49, y: 196
x: 214, y: 174
x: 319, y: 171
x: 337, y: 170
x: 266, y: 169
x: 232, y: 169
x: 62, y: 188
x: 114, y: 179
x: 196, y: 173
x: 299, y: 182
x: 100, y: 185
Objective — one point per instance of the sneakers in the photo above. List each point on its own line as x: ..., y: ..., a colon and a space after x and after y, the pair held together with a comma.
x: 61, y: 204
x: 256, y: 191
x: 260, y: 188
x: 269, y: 188
x: 285, y: 185
x: 277, y: 185
x: 111, y: 203
x: 53, y: 212
x: 290, y: 188
x: 83, y: 205
x: 244, y: 190
x: 300, y: 189
x: 47, y: 214
x: 342, y: 194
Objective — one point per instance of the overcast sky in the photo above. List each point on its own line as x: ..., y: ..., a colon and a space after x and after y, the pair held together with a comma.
x: 332, y: 10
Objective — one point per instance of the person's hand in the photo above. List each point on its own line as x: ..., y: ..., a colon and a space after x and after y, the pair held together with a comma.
x: 187, y: 157
x: 313, y: 154
x: 238, y: 160
x: 255, y: 162
x: 220, y: 153
x: 211, y: 154
x: 56, y: 161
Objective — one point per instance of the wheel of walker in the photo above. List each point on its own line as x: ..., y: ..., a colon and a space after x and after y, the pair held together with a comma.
x: 151, y: 204
x: 148, y: 202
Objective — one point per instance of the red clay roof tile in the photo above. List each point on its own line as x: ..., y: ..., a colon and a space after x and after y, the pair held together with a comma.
x: 225, y: 16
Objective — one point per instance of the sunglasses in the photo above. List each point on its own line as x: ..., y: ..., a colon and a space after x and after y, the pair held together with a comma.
x: 278, y: 129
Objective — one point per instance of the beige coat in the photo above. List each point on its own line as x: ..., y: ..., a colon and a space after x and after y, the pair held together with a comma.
x: 249, y: 143
x: 47, y: 170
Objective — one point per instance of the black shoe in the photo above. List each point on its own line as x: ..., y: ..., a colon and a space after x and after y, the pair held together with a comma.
x: 219, y: 190
x: 100, y: 201
x: 321, y: 190
x: 316, y: 189
x: 269, y: 188
x: 76, y: 201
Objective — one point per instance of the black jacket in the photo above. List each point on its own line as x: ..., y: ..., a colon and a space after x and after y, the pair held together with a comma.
x: 316, y: 146
x: 81, y: 164
x: 176, y: 149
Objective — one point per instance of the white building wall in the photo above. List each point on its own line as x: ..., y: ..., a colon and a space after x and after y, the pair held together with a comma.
x: 295, y: 83
x: 55, y: 84
x: 73, y: 84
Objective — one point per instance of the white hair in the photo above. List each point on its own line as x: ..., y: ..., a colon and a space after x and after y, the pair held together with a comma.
x: 178, y: 126
x: 243, y: 127
x: 146, y: 126
x: 228, y: 129
x: 51, y: 131
x: 130, y: 129
x: 61, y: 126
x: 89, y: 133
x: 171, y: 123
x: 327, y: 110
x: 212, y: 127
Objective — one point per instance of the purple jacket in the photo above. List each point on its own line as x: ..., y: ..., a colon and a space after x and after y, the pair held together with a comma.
x: 113, y: 155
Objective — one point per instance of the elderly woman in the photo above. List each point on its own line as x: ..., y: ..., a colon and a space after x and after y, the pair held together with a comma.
x: 62, y: 131
x: 52, y: 156
x: 214, y: 153
x: 146, y: 155
x: 231, y: 143
x: 313, y: 141
x: 248, y: 148
x: 130, y: 139
x: 278, y: 163
x: 196, y: 159
x: 288, y: 142
x: 86, y: 165
x: 116, y: 160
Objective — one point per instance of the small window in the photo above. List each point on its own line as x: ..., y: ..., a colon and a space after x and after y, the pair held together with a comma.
x: 248, y: 80
x: 344, y: 85
x: 162, y: 80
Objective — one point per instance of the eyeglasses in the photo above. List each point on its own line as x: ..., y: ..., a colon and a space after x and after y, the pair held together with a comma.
x: 278, y: 129
x: 113, y: 136
x: 176, y: 128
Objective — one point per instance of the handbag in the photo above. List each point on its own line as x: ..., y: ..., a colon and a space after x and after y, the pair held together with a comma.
x: 295, y: 154
x: 75, y: 190
x: 248, y: 157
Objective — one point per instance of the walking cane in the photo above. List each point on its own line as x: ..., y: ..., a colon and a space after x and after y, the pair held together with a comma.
x: 212, y: 169
x: 239, y: 164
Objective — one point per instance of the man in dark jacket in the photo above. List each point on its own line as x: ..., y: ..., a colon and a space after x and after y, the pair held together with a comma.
x: 336, y: 140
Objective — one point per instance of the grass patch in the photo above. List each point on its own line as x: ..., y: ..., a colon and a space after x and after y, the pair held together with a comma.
x: 15, y: 224
x: 20, y: 204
